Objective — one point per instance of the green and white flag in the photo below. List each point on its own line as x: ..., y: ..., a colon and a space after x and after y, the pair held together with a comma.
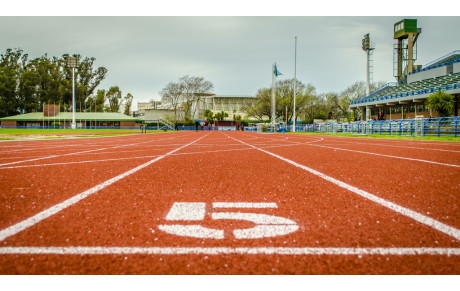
x: 276, y: 72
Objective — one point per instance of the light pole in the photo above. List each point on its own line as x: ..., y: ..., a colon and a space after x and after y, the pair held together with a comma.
x: 295, y: 82
x: 72, y: 62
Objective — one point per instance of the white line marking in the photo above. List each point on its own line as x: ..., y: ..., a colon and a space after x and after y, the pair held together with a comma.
x: 77, y: 153
x: 449, y: 230
x: 80, y: 250
x: 187, y: 211
x: 196, y: 231
x: 257, y: 218
x: 244, y: 205
x: 20, y: 226
x: 398, y: 146
x: 387, y: 156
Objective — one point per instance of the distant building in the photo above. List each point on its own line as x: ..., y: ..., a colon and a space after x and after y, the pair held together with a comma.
x: 51, y: 116
x: 233, y: 105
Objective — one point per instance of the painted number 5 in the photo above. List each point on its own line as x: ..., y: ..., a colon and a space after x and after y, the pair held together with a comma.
x: 265, y: 225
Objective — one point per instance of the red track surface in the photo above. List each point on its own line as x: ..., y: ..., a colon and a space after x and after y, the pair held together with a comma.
x: 359, y: 206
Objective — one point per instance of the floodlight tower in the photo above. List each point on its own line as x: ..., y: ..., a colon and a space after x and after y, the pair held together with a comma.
x: 368, y: 48
x: 72, y: 62
x: 406, y: 32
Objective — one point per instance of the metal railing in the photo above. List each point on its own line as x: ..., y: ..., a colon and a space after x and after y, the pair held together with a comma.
x: 443, y: 126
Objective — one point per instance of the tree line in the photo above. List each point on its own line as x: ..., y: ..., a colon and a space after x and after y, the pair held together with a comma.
x: 309, y: 105
x: 26, y: 84
x: 187, y: 92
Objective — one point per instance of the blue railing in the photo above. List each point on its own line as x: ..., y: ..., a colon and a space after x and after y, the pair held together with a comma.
x: 444, y: 126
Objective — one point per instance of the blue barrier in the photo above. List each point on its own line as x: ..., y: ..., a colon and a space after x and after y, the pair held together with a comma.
x: 443, y: 126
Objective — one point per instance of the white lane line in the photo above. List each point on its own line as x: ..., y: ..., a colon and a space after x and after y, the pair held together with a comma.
x: 76, y: 153
x: 388, y: 156
x: 382, y: 155
x: 79, y: 162
x: 20, y: 226
x: 397, y: 146
x: 81, y: 250
x: 444, y: 228
x: 141, y: 157
x: 244, y: 205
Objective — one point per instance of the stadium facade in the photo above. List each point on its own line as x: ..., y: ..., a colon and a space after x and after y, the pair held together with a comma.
x: 405, y: 99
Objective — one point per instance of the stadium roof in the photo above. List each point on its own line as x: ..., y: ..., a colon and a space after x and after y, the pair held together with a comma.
x: 100, y: 116
x: 444, y: 59
x: 410, y: 91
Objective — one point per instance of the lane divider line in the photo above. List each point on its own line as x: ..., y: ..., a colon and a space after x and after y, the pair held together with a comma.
x: 77, y: 153
x: 387, y: 156
x: 20, y: 226
x: 437, y: 225
x: 81, y: 250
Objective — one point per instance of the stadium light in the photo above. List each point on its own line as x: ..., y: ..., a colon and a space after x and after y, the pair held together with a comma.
x: 72, y: 62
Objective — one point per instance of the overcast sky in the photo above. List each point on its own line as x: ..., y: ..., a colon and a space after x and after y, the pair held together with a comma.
x: 144, y: 53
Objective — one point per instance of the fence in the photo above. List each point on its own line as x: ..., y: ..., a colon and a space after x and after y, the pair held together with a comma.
x: 444, y: 126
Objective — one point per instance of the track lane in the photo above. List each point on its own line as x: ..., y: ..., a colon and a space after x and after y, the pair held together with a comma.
x: 412, y: 184
x: 27, y: 190
x: 328, y: 217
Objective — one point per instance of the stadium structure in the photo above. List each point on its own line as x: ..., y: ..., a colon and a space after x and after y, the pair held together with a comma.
x: 404, y: 99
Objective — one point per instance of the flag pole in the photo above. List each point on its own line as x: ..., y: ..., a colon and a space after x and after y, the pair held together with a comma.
x: 273, y: 94
x: 295, y: 82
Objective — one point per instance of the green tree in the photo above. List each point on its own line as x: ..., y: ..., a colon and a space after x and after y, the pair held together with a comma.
x: 128, y: 100
x: 441, y: 102
x: 284, y: 95
x: 114, y: 97
x: 87, y: 79
x: 221, y: 115
x: 209, y: 115
x: 12, y: 64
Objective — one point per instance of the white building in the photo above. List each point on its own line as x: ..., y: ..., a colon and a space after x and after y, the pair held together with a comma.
x: 233, y: 105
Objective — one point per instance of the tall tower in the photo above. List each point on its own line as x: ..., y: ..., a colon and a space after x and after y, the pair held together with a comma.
x: 369, y: 48
x: 406, y: 32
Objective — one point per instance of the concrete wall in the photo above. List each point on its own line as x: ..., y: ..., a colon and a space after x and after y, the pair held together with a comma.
x: 436, y: 72
x: 155, y: 114
x: 456, y: 67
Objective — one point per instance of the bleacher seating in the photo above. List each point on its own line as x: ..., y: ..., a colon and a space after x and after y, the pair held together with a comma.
x: 446, y: 82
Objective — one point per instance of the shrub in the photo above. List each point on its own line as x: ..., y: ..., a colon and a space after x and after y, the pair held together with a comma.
x: 442, y: 102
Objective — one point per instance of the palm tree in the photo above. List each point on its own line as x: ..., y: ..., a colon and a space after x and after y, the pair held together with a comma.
x: 442, y: 102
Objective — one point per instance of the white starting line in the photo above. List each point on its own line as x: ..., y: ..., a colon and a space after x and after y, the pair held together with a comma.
x: 81, y: 250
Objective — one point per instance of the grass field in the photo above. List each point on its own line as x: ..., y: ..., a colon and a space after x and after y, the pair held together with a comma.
x: 434, y: 138
x: 53, y: 131
x: 35, y: 133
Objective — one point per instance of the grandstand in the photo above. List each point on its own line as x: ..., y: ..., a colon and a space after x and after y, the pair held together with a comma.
x: 405, y: 99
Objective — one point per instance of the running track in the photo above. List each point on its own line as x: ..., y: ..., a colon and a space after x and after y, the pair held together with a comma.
x: 229, y: 203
